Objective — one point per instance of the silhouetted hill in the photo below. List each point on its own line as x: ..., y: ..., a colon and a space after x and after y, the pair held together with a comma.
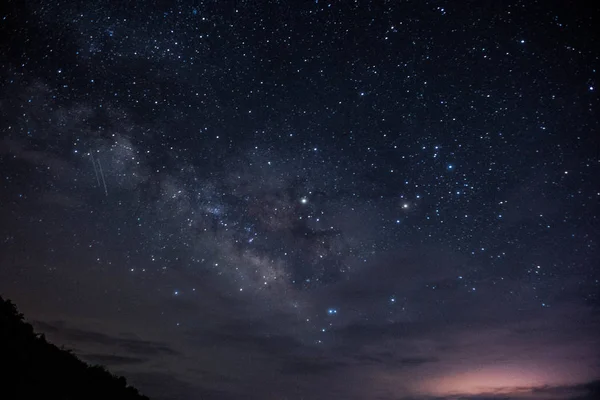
x: 32, y: 368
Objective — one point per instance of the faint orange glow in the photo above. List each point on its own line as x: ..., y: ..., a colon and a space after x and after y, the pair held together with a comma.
x: 491, y: 379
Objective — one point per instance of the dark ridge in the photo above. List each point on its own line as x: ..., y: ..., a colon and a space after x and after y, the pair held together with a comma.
x: 32, y: 368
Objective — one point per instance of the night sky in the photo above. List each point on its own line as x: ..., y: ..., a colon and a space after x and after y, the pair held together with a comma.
x: 307, y: 200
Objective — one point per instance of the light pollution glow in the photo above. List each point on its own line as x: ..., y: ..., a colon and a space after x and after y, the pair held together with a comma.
x: 503, y: 379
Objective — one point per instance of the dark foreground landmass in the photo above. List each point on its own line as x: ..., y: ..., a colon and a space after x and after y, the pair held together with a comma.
x: 32, y: 368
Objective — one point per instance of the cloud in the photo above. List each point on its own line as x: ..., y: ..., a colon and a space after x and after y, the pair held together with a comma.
x: 393, y: 361
x: 368, y: 332
x: 268, y: 344
x: 583, y: 391
x: 45, y: 159
x: 170, y: 387
x: 310, y: 366
x: 61, y: 200
x: 111, y: 359
x: 134, y: 346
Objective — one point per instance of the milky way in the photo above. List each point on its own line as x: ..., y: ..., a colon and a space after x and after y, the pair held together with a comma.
x: 307, y: 199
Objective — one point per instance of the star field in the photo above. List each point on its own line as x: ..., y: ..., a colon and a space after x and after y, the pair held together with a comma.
x: 389, y: 200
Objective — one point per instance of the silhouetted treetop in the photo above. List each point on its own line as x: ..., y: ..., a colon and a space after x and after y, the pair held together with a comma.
x: 32, y: 368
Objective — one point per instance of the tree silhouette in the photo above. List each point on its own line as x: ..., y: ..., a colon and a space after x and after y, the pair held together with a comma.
x: 32, y: 368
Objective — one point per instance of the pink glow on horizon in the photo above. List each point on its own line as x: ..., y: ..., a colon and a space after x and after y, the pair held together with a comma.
x: 485, y: 380
x: 496, y: 379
